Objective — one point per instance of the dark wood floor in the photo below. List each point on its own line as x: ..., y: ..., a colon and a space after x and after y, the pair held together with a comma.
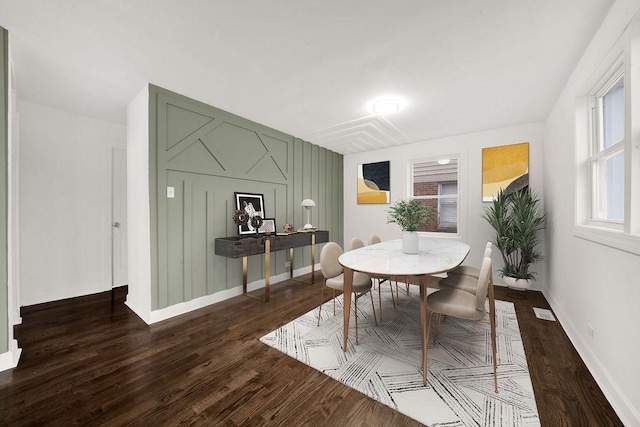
x: 85, y: 362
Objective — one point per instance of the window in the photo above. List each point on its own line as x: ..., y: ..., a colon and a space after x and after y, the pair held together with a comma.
x: 607, y: 160
x: 435, y: 182
x: 607, y: 152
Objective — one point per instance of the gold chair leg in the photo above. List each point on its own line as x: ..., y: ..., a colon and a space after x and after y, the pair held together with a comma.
x: 321, y: 302
x: 373, y: 306
x: 391, y: 288
x: 424, y: 356
x: 380, y: 298
x: 436, y: 329
x: 334, y: 302
x: 356, y: 308
x: 492, y: 314
x: 495, y: 355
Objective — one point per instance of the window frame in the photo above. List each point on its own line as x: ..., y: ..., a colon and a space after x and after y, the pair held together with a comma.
x: 411, y: 194
x: 623, y: 235
x: 598, y: 153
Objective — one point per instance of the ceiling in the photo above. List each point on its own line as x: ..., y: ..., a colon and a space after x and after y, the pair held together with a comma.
x: 308, y: 68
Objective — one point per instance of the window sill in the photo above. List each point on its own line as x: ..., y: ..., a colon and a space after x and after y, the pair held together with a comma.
x: 608, y: 237
x: 440, y: 235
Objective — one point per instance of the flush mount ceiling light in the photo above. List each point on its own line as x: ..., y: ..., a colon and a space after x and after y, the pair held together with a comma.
x: 386, y: 106
x: 443, y: 161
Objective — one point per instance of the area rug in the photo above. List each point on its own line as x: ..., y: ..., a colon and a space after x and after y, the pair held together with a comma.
x: 386, y: 364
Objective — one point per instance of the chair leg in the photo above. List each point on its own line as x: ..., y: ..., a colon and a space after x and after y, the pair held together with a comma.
x: 373, y: 306
x: 492, y: 314
x: 436, y: 329
x: 334, y: 302
x: 397, y: 294
x: 356, y: 309
x: 321, y: 302
x: 495, y: 356
x: 380, y: 299
x: 391, y: 288
x: 424, y: 356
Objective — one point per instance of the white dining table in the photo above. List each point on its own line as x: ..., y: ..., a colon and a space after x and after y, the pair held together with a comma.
x: 386, y: 259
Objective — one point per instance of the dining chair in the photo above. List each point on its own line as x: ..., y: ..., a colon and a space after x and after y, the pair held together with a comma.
x: 465, y: 305
x: 356, y: 244
x: 373, y: 239
x: 332, y: 271
x: 469, y: 270
x: 466, y: 282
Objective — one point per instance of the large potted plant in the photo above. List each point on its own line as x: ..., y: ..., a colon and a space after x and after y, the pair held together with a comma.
x: 517, y: 220
x: 409, y: 215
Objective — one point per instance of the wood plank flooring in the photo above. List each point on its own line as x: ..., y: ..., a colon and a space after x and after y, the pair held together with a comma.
x: 85, y: 362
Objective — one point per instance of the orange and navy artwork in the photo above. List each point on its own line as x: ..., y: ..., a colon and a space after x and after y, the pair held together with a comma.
x: 505, y: 167
x: 373, y: 183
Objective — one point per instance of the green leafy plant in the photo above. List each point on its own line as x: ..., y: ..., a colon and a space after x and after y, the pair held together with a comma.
x: 409, y: 214
x: 517, y: 221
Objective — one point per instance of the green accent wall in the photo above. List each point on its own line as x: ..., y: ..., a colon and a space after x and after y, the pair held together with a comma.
x: 4, y: 138
x: 206, y: 154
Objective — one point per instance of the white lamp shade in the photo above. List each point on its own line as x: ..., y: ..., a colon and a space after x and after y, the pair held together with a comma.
x: 308, y: 204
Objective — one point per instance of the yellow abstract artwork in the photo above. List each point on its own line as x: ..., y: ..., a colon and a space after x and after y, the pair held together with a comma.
x: 505, y: 167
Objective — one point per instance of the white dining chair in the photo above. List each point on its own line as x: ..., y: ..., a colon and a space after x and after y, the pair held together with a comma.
x: 332, y: 271
x: 466, y: 305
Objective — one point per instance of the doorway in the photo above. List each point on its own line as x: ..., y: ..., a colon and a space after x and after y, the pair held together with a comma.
x: 119, y: 264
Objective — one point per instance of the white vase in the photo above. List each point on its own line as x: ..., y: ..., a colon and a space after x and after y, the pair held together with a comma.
x: 410, y: 242
x: 519, y: 284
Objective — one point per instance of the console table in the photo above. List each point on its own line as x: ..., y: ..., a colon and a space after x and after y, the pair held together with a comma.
x: 243, y: 246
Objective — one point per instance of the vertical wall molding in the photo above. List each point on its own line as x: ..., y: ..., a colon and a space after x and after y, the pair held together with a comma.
x: 206, y: 154
x: 4, y: 140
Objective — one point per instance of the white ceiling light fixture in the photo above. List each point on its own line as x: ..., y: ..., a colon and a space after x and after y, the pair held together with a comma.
x: 386, y: 106
x: 443, y: 161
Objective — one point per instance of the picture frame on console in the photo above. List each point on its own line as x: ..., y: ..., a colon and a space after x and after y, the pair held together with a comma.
x: 268, y: 226
x: 253, y: 204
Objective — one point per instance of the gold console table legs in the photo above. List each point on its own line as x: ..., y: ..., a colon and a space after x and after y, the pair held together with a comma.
x: 267, y: 276
x: 313, y: 262
x: 267, y: 269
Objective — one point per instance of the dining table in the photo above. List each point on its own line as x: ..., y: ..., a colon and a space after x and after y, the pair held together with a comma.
x: 435, y: 257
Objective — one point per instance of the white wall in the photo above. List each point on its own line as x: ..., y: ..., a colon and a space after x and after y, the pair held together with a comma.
x: 138, y: 209
x: 11, y: 357
x: 589, y: 283
x: 363, y: 220
x: 65, y: 203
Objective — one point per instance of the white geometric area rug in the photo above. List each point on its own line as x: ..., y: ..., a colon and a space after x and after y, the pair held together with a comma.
x: 386, y: 364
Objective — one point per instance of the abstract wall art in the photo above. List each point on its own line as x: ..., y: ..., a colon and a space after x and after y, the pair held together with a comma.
x: 374, y: 183
x: 505, y: 167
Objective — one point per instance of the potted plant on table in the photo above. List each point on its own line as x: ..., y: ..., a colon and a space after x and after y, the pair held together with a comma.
x: 517, y: 221
x: 409, y: 215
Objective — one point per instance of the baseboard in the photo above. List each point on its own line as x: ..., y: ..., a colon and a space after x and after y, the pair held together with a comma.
x: 629, y: 415
x: 9, y: 359
x: 61, y: 294
x: 197, y: 303
x: 16, y: 319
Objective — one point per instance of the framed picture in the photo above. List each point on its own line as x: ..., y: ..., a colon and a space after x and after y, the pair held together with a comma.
x: 504, y: 168
x: 251, y: 203
x: 373, y: 183
x: 269, y: 225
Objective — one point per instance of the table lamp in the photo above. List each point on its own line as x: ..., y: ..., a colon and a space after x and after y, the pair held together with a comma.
x: 308, y: 204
